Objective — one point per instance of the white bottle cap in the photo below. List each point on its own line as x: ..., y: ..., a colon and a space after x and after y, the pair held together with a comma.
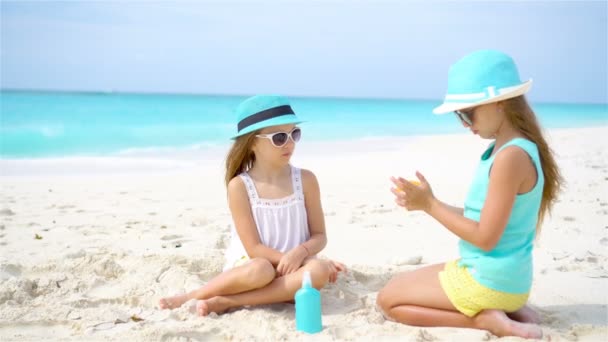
x: 306, y: 279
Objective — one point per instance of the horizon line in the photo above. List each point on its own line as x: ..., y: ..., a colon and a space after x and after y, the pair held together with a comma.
x: 152, y: 93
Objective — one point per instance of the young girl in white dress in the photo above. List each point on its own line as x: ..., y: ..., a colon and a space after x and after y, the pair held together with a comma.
x: 278, y: 220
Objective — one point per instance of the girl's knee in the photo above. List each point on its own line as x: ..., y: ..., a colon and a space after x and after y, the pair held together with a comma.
x: 260, y: 271
x: 383, y: 301
x: 319, y: 272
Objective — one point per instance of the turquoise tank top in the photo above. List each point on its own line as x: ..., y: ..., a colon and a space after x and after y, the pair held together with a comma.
x: 508, y: 266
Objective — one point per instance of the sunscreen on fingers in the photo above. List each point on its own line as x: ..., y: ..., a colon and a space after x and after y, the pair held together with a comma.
x: 413, y: 181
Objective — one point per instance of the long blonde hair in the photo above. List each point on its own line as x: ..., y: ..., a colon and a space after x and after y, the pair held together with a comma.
x: 522, y: 117
x: 240, y: 158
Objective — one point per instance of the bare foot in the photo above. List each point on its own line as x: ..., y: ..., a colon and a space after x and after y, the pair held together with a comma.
x: 525, y: 315
x: 216, y: 304
x: 499, y: 324
x: 172, y: 302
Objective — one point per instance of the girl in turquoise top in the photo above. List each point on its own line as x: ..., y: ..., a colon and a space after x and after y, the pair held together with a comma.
x: 515, y: 185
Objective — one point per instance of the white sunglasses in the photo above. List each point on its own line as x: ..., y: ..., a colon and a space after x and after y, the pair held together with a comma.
x: 279, y: 139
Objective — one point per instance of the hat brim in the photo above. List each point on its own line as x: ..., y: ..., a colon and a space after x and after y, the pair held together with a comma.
x: 452, y: 106
x: 281, y: 120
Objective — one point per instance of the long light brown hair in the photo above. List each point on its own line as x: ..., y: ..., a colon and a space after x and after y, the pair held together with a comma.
x: 240, y: 158
x: 522, y: 117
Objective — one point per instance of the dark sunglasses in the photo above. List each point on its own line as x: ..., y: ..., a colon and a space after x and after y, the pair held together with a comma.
x: 279, y: 139
x: 466, y: 117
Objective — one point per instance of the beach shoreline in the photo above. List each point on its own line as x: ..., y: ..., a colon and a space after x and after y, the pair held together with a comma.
x: 161, y: 160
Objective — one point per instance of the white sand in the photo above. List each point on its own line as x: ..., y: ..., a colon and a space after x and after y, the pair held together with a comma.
x: 117, y: 234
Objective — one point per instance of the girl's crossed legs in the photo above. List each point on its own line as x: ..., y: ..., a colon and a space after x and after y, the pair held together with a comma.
x: 253, y: 283
x: 256, y: 273
x: 281, y: 289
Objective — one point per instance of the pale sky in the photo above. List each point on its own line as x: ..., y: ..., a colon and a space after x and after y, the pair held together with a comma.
x: 384, y: 49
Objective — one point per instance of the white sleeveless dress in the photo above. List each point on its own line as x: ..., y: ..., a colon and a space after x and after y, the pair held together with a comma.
x: 282, y: 223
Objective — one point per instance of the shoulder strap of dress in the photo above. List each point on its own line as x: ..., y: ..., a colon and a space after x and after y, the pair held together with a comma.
x: 296, y: 179
x: 250, y: 186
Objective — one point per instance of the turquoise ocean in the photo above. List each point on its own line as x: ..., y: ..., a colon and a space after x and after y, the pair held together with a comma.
x: 56, y: 124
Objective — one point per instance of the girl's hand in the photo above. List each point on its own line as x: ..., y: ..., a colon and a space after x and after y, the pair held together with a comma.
x: 291, y: 261
x: 412, y: 196
x: 334, y: 268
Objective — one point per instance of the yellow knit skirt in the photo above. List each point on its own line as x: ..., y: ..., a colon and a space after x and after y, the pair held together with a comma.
x: 470, y: 297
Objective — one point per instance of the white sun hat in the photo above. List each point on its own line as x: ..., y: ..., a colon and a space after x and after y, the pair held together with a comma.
x: 484, y: 76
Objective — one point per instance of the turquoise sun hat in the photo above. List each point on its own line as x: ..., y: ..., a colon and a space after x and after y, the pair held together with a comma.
x: 263, y: 111
x: 484, y: 76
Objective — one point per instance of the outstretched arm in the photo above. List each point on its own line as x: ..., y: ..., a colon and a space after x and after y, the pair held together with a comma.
x: 506, y: 178
x: 456, y: 210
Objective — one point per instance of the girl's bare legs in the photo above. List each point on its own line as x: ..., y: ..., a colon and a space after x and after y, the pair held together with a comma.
x: 416, y: 298
x: 282, y: 289
x: 256, y: 273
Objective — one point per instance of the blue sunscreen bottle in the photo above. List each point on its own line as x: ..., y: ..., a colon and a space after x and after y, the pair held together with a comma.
x: 308, y: 307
